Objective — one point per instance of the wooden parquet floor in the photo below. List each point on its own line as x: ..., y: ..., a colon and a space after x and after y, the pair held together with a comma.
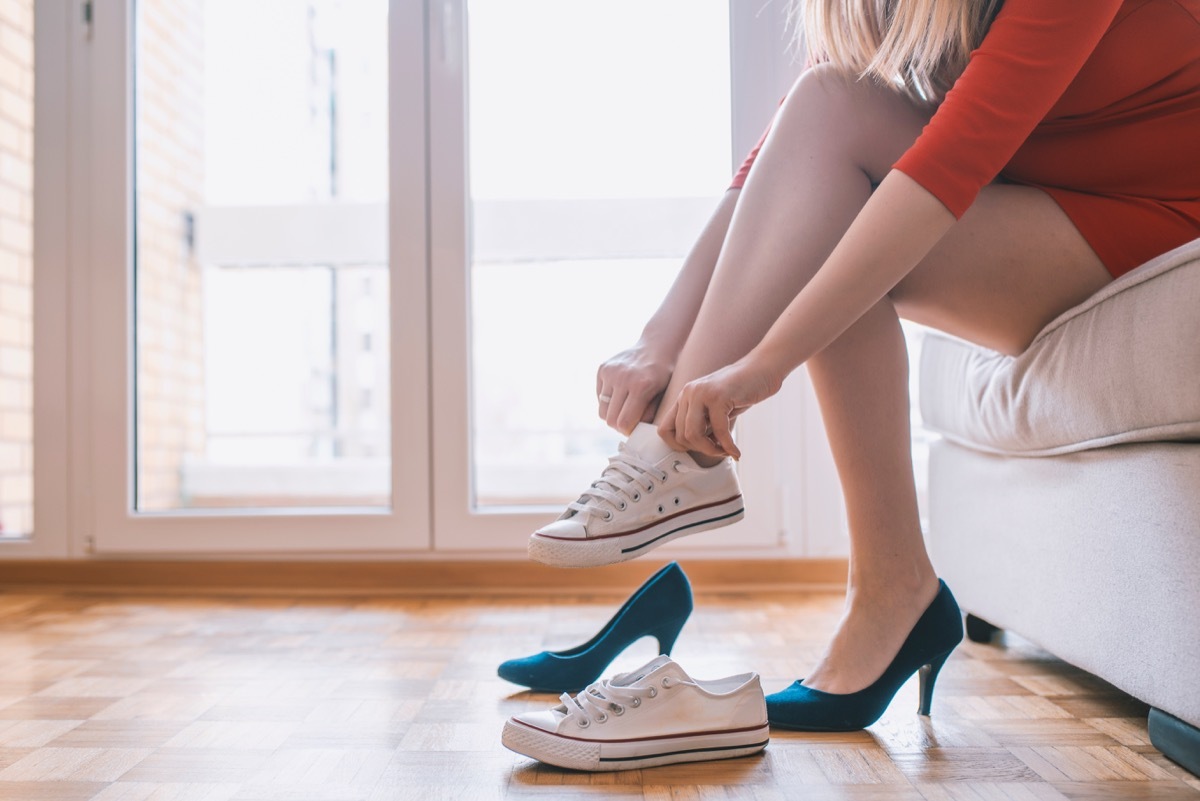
x: 148, y: 698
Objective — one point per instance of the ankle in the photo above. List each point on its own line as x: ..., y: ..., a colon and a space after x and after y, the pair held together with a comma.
x: 918, y: 582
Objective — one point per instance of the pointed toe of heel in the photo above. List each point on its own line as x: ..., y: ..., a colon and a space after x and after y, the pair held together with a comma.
x: 659, y: 608
x: 924, y: 652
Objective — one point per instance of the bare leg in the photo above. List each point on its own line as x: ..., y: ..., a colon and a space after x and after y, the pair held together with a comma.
x: 831, y: 140
x: 861, y: 381
x: 1011, y: 265
x: 982, y: 282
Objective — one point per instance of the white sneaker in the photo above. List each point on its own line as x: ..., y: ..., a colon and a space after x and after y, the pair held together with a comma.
x: 646, y: 497
x: 655, y: 715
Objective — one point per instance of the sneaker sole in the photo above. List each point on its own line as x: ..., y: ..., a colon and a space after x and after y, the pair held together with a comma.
x: 598, y: 755
x: 612, y: 548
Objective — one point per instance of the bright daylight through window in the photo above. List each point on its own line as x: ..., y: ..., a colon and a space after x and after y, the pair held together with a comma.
x: 262, y: 265
x: 597, y: 150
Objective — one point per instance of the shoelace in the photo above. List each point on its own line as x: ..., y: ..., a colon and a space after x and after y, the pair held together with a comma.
x: 610, y: 696
x: 638, y: 474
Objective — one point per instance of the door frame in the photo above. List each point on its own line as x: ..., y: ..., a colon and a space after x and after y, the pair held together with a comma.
x: 56, y: 222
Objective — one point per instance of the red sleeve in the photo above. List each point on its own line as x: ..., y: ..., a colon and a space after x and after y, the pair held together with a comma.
x: 1032, y: 52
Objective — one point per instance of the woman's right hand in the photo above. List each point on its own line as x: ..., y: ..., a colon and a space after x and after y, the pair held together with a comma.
x: 630, y: 385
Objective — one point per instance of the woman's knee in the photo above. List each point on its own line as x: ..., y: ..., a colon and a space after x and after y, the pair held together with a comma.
x: 821, y: 88
x: 876, y: 122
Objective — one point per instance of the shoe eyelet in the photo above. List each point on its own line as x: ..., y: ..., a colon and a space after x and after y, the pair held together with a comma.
x: 660, y: 509
x: 635, y: 703
x: 666, y: 682
x: 584, y: 723
x: 649, y: 489
x: 602, y: 718
x: 676, y: 501
x: 653, y: 692
x: 675, y: 465
x: 623, y: 506
x: 637, y: 496
x: 608, y: 516
x: 618, y: 710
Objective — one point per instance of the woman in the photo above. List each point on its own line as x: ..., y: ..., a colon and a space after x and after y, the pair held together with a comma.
x: 972, y: 165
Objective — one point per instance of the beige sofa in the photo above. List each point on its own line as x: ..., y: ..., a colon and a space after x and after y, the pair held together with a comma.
x: 1065, y: 491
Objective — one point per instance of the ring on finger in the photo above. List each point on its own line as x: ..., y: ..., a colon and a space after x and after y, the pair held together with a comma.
x: 604, y: 398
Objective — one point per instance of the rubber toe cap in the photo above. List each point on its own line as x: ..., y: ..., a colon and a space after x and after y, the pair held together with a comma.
x: 567, y: 529
x: 546, y: 721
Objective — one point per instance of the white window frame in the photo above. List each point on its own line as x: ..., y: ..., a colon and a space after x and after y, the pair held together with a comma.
x: 55, y: 223
x: 106, y: 264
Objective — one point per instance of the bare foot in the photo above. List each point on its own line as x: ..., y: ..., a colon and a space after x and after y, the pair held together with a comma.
x: 876, y: 623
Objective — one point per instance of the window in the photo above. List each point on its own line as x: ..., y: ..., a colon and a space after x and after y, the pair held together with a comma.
x: 262, y: 254
x: 589, y: 180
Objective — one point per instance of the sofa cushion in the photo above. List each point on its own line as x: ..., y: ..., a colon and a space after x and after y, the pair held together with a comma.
x: 1123, y: 366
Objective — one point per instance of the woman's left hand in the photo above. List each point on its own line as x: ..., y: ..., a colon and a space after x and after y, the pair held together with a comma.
x: 701, y: 419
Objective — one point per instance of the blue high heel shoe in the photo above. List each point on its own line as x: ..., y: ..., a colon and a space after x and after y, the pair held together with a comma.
x: 929, y: 644
x: 658, y: 609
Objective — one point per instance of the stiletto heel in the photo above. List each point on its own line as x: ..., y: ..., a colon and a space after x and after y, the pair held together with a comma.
x: 659, y: 609
x: 926, y: 649
x: 927, y: 677
x: 667, y: 635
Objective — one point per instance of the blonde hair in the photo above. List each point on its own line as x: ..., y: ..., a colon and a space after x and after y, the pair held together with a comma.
x: 923, y: 45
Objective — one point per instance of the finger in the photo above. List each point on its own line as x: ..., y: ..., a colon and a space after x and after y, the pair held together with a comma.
x: 651, y: 408
x: 632, y: 412
x: 603, y: 399
x: 641, y: 405
x: 697, y: 430
x: 614, y: 406
x: 666, y: 429
x: 723, y: 436
x: 681, y: 413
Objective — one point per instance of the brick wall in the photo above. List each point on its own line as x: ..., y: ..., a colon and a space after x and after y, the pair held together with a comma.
x: 16, y: 267
x: 170, y: 168
x: 170, y: 180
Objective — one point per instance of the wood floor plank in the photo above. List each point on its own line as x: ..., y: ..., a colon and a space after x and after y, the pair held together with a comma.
x: 54, y: 764
x: 855, y: 792
x: 50, y: 791
x: 988, y: 765
x: 55, y: 708
x: 1123, y: 791
x: 105, y: 697
x: 990, y: 791
x: 9, y: 755
x: 1035, y: 732
x: 1126, y: 731
x: 194, y: 766
x: 33, y: 733
x: 118, y: 734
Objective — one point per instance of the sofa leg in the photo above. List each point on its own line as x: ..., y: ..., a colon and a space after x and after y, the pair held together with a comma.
x: 1179, y: 741
x: 979, y: 630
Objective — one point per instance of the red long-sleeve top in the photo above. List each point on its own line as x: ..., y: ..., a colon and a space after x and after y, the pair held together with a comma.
x: 1097, y: 102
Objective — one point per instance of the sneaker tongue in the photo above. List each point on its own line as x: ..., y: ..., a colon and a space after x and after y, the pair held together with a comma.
x: 657, y: 666
x: 645, y: 442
